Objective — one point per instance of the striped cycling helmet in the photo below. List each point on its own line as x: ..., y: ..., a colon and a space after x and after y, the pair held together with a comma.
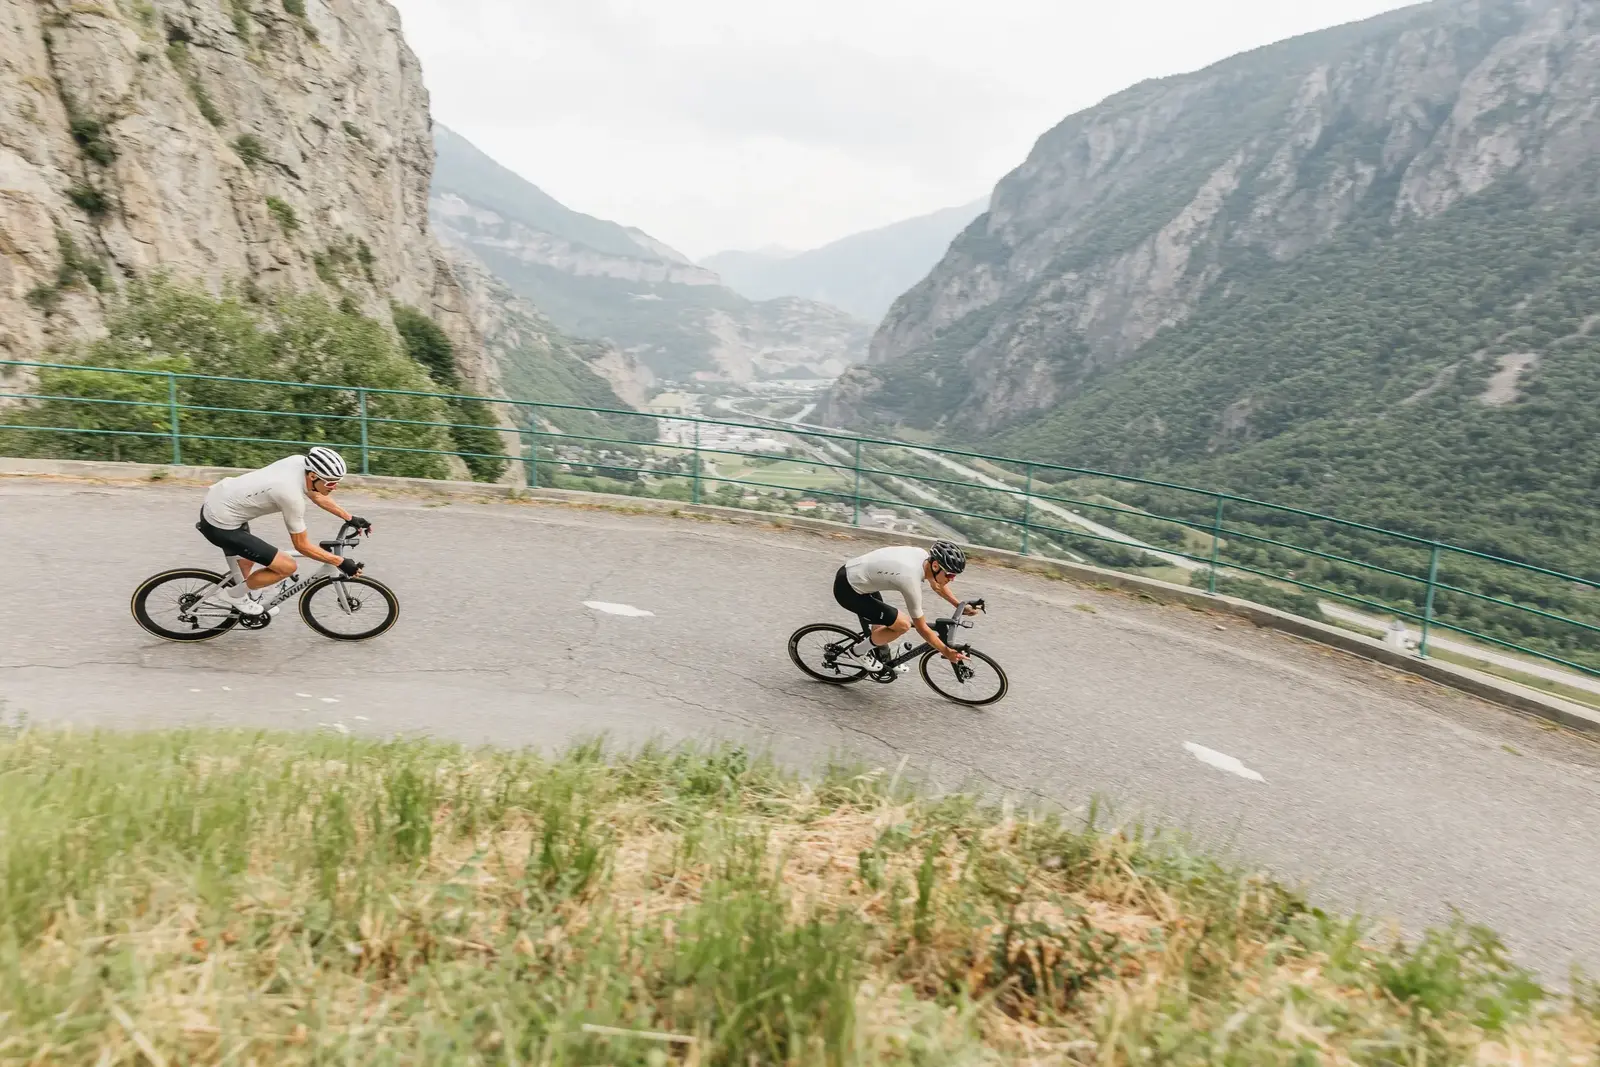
x: 949, y: 557
x: 326, y: 464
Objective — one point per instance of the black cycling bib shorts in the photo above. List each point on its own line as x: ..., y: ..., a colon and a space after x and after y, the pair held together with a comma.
x: 871, y: 608
x: 240, y: 542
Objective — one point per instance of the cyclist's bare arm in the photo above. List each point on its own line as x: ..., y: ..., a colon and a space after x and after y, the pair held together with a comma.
x: 326, y: 504
x: 306, y: 547
x: 941, y: 585
x: 930, y: 636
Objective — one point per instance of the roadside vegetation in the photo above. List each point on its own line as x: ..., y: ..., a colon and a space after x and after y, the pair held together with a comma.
x: 222, y: 897
x: 161, y: 326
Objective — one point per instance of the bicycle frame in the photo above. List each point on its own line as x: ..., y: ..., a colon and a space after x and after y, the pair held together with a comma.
x: 958, y: 619
x: 288, y: 588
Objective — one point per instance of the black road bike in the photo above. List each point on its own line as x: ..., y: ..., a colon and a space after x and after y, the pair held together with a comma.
x: 179, y: 606
x: 820, y: 651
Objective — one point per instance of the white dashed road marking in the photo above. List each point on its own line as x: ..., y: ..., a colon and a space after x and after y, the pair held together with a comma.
x: 625, y: 610
x: 1221, y: 761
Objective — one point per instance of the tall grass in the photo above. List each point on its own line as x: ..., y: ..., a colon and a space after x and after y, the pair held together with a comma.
x: 201, y: 897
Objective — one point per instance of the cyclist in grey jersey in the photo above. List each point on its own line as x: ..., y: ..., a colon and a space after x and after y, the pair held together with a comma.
x: 861, y: 582
x: 283, y: 488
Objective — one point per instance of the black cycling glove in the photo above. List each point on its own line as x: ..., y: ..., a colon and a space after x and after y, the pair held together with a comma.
x: 350, y: 567
x: 361, y: 524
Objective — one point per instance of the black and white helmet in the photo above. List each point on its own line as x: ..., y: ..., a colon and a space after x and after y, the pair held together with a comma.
x: 326, y: 464
x: 949, y: 557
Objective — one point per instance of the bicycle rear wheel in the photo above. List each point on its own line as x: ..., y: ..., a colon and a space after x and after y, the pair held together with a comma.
x: 977, y: 681
x: 815, y: 648
x: 172, y: 606
x: 349, y: 609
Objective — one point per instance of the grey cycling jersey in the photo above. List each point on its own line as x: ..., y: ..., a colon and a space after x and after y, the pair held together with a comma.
x: 279, y: 487
x: 896, y: 569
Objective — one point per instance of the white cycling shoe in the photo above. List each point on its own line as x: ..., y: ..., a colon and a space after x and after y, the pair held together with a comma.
x: 245, y: 605
x: 865, y: 660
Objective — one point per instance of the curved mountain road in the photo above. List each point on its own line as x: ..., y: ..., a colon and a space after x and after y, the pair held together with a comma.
x: 1381, y: 792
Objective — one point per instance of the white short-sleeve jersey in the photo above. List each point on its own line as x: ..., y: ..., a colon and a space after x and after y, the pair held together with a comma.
x: 898, y: 569
x: 278, y: 487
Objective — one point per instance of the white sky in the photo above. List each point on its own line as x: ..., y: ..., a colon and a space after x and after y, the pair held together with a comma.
x: 716, y: 124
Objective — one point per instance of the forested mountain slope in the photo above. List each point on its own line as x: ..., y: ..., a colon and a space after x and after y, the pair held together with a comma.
x: 1355, y: 271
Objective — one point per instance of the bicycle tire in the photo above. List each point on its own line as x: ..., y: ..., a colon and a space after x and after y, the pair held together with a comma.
x: 391, y: 603
x: 834, y: 678
x: 927, y: 676
x: 140, y: 605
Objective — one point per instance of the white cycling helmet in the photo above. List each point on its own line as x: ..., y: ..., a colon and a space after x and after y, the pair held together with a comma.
x: 326, y: 464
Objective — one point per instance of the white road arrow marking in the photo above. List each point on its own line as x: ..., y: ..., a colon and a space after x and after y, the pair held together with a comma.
x: 625, y: 610
x: 1221, y: 761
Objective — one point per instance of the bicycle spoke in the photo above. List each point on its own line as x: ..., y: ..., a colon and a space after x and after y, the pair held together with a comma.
x: 976, y: 680
x: 817, y: 651
x: 348, y: 610
x: 173, y: 606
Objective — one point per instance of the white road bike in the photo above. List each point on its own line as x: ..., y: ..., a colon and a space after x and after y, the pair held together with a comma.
x: 177, y: 605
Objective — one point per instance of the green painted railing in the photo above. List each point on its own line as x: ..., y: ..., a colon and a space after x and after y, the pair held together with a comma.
x: 1280, y: 555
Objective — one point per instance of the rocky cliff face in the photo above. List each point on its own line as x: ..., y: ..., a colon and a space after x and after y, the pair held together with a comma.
x: 596, y: 278
x: 532, y: 360
x: 1125, y: 218
x: 252, y: 143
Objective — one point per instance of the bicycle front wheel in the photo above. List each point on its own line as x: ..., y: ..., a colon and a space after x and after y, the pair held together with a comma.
x: 976, y: 681
x: 172, y: 606
x: 815, y: 650
x: 349, y: 609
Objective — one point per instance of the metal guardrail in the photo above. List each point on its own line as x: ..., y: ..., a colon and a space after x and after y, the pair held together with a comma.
x: 1246, y: 547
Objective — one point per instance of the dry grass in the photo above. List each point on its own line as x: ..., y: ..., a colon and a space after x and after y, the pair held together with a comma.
x: 225, y: 898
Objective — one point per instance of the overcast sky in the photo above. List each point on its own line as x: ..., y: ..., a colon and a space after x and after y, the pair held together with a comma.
x: 716, y: 124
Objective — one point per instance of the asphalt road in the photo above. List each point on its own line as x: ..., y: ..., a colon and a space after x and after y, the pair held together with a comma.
x: 1382, y: 793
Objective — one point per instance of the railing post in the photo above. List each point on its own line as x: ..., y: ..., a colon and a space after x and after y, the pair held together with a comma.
x: 697, y: 463
x: 856, y: 519
x: 172, y: 418
x: 1216, y: 541
x: 531, y: 464
x: 1027, y: 509
x: 1427, y: 611
x: 361, y: 406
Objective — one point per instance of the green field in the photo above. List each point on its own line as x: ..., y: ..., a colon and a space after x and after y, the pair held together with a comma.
x: 791, y: 474
x: 235, y: 898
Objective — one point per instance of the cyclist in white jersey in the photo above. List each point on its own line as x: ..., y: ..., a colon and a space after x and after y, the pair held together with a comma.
x: 282, y: 487
x: 861, y: 583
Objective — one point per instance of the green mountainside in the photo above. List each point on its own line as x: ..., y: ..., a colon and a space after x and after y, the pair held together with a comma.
x: 1357, y: 272
x: 1445, y: 382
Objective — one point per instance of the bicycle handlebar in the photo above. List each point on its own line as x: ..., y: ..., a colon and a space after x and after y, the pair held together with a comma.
x: 961, y: 610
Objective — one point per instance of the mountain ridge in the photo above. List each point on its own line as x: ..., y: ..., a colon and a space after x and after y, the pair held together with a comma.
x: 596, y: 278
x: 862, y: 273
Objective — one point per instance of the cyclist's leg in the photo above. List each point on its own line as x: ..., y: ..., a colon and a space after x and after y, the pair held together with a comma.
x: 881, y: 623
x: 259, y: 563
x: 887, y: 635
x: 281, y: 566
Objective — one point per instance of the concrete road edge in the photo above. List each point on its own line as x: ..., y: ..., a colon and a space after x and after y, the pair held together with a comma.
x: 1484, y: 686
